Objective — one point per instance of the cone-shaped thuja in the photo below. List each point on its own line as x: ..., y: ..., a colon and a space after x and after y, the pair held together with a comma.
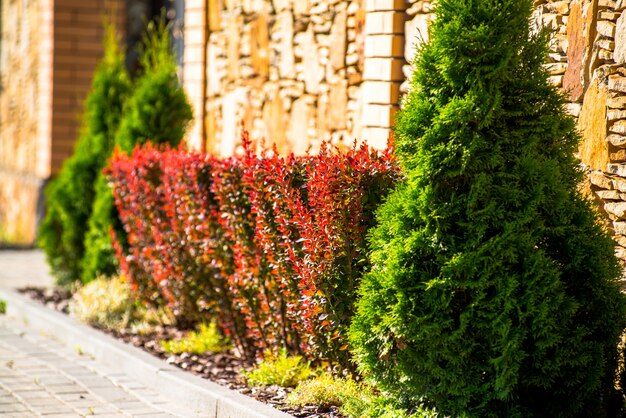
x: 156, y: 111
x: 70, y: 196
x: 493, y: 290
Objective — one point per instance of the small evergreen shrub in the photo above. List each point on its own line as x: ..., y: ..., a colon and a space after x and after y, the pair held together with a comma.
x: 70, y: 196
x: 99, y: 258
x: 206, y: 340
x: 158, y: 111
x: 494, y: 289
x: 282, y: 370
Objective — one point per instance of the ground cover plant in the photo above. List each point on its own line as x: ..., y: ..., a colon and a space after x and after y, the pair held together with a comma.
x: 156, y: 110
x: 106, y: 303
x: 271, y: 246
x: 70, y: 196
x: 494, y: 289
x: 206, y: 339
x: 281, y: 369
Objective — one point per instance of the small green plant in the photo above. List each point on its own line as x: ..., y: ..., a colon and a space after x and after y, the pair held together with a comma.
x: 207, y: 339
x: 382, y: 407
x: 282, y: 370
x: 328, y: 390
x: 3, y: 306
x: 354, y: 399
x: 107, y: 303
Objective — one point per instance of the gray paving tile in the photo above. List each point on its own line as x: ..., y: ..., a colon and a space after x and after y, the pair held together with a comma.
x: 14, y: 407
x: 43, y: 401
x: 40, y: 377
x: 98, y: 410
x: 29, y: 357
x: 30, y: 394
x: 56, y: 408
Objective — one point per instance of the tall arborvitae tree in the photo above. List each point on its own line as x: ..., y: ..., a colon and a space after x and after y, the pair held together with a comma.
x: 70, y: 196
x: 494, y: 289
x: 157, y: 111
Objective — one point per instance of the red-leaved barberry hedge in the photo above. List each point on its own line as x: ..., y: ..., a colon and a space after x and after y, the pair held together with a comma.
x: 270, y: 246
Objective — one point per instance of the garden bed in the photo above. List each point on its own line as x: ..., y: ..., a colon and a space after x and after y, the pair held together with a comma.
x: 224, y: 369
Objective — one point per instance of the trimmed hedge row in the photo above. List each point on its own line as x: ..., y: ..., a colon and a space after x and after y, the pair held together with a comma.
x: 271, y: 246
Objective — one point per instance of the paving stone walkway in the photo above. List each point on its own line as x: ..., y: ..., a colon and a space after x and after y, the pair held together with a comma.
x: 41, y: 377
x: 24, y: 268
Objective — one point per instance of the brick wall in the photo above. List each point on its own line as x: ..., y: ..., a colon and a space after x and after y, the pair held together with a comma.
x: 78, y: 33
x: 194, y: 69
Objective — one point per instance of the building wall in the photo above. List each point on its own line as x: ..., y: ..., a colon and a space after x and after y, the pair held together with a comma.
x: 48, y: 52
x: 290, y: 70
x: 587, y: 60
x: 297, y: 72
x: 25, y: 89
x: 78, y: 34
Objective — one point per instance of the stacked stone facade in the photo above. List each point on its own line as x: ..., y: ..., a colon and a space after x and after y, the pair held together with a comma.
x: 294, y: 72
x: 297, y: 72
x: 48, y: 52
x: 587, y: 60
x: 291, y: 71
x: 25, y: 90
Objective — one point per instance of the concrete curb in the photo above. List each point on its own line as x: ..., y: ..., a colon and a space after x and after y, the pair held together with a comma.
x: 208, y: 399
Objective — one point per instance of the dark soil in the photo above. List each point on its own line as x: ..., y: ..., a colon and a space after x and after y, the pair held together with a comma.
x: 53, y: 298
x: 222, y: 368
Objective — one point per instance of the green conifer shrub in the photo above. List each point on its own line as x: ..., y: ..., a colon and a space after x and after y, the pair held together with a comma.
x: 69, y: 197
x: 157, y: 111
x: 493, y: 290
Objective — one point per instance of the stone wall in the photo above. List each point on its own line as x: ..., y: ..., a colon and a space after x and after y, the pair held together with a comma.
x: 291, y: 70
x: 24, y: 114
x: 297, y: 72
x: 587, y: 60
x: 48, y: 52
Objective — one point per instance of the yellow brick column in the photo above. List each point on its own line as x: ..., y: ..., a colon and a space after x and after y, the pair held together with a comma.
x: 194, y: 72
x: 382, y: 74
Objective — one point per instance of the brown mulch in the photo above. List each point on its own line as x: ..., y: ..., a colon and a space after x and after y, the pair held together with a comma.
x: 222, y: 368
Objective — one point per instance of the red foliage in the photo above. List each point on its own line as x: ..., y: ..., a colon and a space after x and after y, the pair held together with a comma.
x: 272, y: 246
x: 344, y: 191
